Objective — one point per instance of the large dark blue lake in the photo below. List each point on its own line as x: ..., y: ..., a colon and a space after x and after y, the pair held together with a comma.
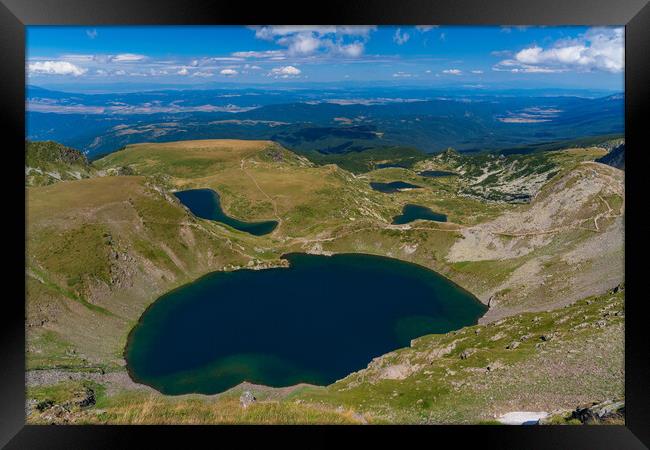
x: 314, y: 322
x: 205, y: 203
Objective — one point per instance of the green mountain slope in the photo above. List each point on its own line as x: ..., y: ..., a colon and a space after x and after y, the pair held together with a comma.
x: 49, y: 162
x: 100, y: 250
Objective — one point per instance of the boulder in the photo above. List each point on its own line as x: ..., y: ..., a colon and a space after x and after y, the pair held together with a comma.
x: 467, y: 353
x: 246, y: 399
x: 607, y: 411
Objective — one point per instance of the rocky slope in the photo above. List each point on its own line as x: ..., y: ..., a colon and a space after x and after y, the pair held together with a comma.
x: 49, y: 162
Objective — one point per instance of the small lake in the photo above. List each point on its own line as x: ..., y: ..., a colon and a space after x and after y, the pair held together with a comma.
x: 437, y: 173
x: 404, y: 165
x: 415, y: 212
x: 204, y: 203
x: 314, y: 322
x: 394, y: 186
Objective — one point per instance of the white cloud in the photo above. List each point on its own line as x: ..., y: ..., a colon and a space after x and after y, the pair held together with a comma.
x: 308, y: 40
x: 452, y: 71
x: 225, y: 58
x: 353, y: 50
x: 229, y: 72
x: 597, y: 49
x: 56, y: 68
x: 183, y: 71
x: 258, y: 54
x: 271, y: 32
x: 285, y: 72
x: 300, y: 44
x: 425, y: 28
x: 478, y: 72
x: 77, y: 57
x: 400, y: 38
x: 127, y: 57
x: 157, y: 72
x: 202, y: 74
x: 92, y: 34
x: 402, y: 75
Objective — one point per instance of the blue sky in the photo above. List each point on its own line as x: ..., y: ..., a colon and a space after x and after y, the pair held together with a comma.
x: 481, y: 56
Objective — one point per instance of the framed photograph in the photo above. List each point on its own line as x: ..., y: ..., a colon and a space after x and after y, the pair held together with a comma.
x: 367, y: 215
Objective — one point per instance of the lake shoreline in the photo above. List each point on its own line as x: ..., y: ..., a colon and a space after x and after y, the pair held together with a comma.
x: 284, y: 261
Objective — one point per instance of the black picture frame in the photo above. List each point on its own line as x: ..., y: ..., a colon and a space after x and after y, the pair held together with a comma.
x: 16, y: 14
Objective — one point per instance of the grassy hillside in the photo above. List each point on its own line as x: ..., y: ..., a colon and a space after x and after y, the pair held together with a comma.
x: 49, y: 162
x: 100, y: 250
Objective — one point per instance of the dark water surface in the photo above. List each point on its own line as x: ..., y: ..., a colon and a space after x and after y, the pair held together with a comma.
x: 404, y: 165
x: 437, y: 173
x: 205, y: 203
x: 314, y: 322
x: 393, y: 186
x: 415, y: 212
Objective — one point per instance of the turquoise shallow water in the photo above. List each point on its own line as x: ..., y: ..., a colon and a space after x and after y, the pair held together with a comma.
x: 205, y: 203
x: 314, y: 322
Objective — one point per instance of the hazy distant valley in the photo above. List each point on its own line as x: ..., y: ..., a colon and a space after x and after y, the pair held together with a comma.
x: 330, y: 121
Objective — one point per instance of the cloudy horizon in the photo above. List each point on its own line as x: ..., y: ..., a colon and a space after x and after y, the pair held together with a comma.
x: 589, y: 57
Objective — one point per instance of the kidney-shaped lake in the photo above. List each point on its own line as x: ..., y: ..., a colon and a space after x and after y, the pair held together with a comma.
x: 314, y: 322
x: 205, y: 203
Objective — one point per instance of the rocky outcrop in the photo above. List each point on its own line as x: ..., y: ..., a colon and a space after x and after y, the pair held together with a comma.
x: 598, y: 413
x: 66, y: 412
x: 246, y: 399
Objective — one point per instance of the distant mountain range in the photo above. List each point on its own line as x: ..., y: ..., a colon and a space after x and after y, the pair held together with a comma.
x: 327, y: 121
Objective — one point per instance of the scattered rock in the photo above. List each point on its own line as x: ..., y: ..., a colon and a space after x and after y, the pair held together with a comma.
x: 84, y: 399
x: 45, y: 404
x: 606, y: 411
x: 57, y: 414
x: 618, y: 288
x: 494, y: 366
x: 513, y: 345
x: 497, y: 336
x: 247, y: 399
x: 467, y: 353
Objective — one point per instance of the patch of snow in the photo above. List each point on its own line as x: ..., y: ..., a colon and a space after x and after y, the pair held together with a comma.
x: 522, y: 417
